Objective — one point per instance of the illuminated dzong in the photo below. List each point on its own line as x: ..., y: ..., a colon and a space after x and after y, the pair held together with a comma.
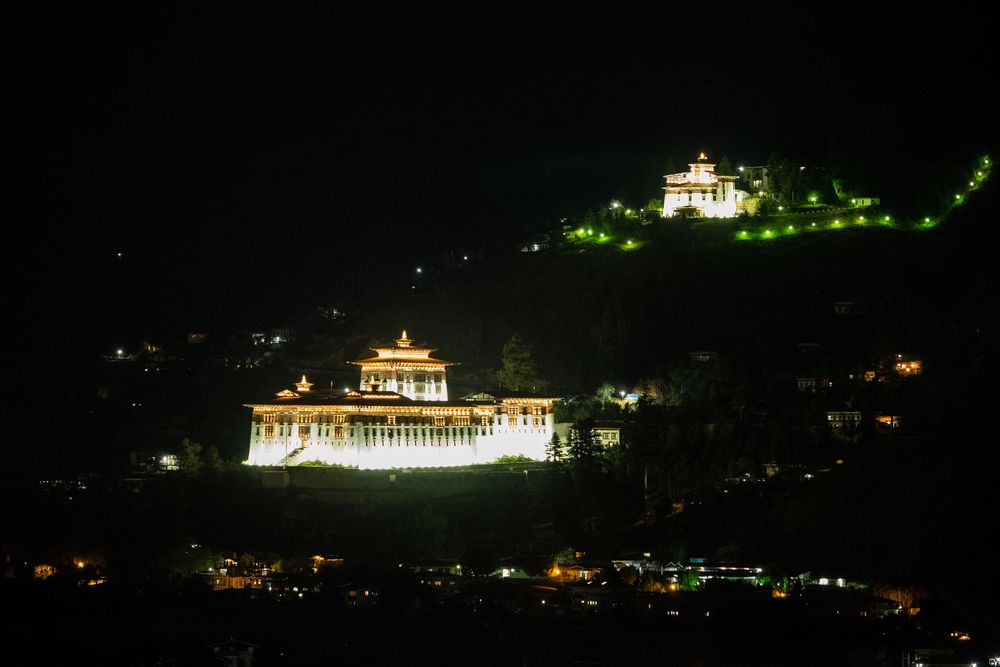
x: 400, y: 417
x: 700, y: 192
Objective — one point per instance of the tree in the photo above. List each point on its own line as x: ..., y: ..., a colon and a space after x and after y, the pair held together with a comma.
x: 554, y: 449
x: 517, y: 372
x: 211, y: 460
x: 725, y: 167
x: 190, y: 459
x: 583, y: 448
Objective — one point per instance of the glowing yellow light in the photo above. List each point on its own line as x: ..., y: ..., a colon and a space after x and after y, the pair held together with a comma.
x: 79, y: 563
x: 790, y: 228
x: 760, y: 193
x: 971, y: 184
x: 836, y: 222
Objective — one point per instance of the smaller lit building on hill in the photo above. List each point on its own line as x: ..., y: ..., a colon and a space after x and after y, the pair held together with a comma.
x: 700, y: 192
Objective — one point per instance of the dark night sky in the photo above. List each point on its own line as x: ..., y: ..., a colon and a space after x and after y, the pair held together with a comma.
x: 223, y: 151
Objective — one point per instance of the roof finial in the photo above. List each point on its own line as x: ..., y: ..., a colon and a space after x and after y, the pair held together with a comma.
x: 702, y: 156
x: 404, y: 341
x: 303, y: 384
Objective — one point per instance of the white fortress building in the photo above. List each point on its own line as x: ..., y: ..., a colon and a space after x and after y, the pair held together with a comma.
x: 700, y: 192
x: 399, y: 418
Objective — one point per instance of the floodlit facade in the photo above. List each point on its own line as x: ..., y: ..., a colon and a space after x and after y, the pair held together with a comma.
x: 700, y: 192
x: 381, y: 428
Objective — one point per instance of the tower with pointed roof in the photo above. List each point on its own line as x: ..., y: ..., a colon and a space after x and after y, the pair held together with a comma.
x: 406, y: 369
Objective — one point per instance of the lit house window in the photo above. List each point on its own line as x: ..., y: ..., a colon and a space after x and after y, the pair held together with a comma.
x: 512, y: 420
x: 484, y: 421
x: 391, y: 420
x: 269, y: 430
x: 338, y: 432
x: 269, y: 418
x: 303, y: 418
x: 462, y: 421
x: 439, y: 421
x: 536, y: 421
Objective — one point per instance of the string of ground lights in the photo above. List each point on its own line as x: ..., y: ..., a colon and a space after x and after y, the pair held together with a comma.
x: 603, y: 232
x: 772, y: 231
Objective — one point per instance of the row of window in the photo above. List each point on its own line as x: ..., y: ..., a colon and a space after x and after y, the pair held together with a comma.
x: 407, y: 377
x: 268, y: 429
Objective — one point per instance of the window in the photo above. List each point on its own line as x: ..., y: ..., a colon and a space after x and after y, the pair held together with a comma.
x: 269, y: 418
x: 439, y: 421
x: 268, y: 430
x: 391, y: 420
x: 462, y: 421
x: 339, y: 419
x: 484, y: 421
x: 303, y: 418
x: 512, y: 420
x: 537, y: 421
x: 536, y: 410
